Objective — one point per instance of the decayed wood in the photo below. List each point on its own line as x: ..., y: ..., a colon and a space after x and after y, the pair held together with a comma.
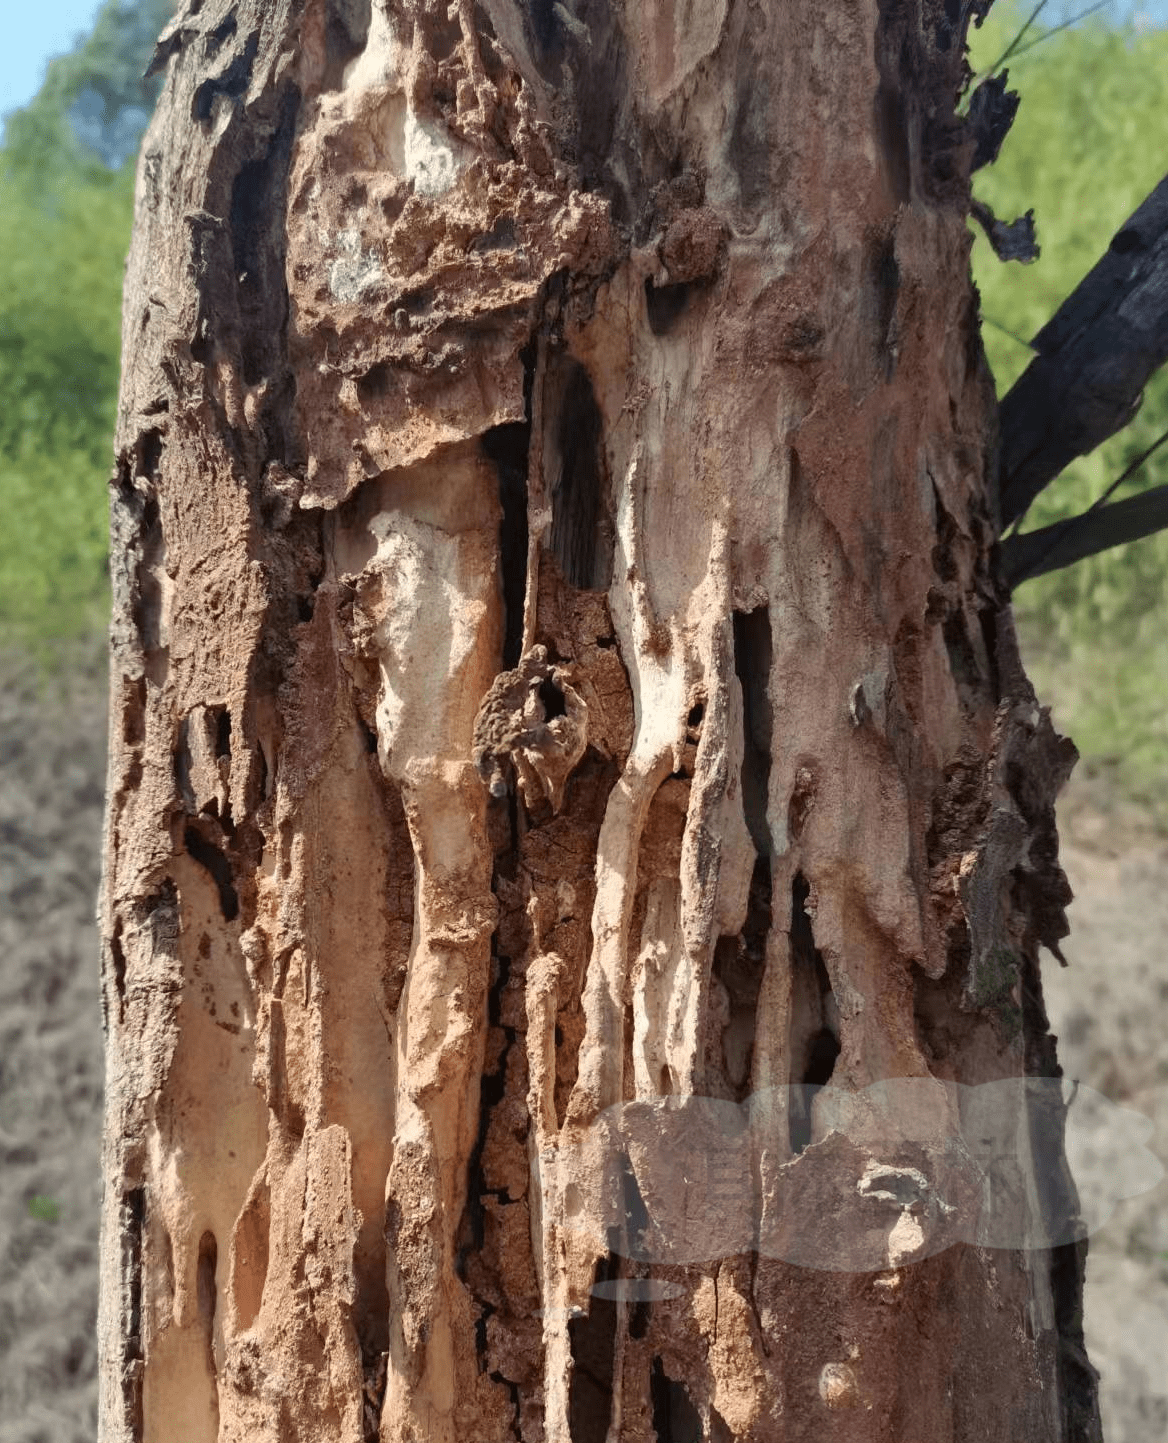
x: 1094, y: 358
x: 563, y: 713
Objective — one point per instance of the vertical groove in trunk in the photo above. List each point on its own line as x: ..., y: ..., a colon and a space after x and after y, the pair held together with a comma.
x: 564, y: 716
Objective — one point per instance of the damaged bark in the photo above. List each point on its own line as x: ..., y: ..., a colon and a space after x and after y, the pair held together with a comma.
x: 564, y: 716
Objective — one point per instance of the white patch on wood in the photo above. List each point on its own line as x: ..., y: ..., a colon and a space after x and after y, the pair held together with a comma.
x: 355, y: 271
x: 430, y: 159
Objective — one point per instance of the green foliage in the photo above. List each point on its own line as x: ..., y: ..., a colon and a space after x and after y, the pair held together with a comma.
x: 64, y: 230
x: 1088, y: 146
x: 44, y: 1209
x: 61, y: 257
x: 60, y: 301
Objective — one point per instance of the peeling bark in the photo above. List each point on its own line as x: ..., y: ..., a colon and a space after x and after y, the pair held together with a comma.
x: 563, y: 717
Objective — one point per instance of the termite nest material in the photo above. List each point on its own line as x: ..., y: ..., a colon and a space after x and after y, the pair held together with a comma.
x: 838, y: 1386
x: 533, y: 726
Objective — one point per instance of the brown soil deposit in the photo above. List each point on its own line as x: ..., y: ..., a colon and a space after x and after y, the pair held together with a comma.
x: 1108, y: 1008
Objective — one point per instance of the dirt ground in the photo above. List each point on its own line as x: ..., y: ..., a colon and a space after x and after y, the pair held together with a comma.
x: 52, y: 774
x: 1110, y: 1008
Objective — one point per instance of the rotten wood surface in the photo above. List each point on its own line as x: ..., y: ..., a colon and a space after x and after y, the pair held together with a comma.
x: 562, y: 713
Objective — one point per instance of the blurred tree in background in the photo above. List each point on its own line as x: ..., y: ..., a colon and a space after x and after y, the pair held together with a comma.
x: 66, y: 200
x: 1087, y: 147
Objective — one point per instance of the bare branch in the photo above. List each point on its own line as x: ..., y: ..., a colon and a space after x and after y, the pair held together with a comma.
x: 1052, y: 547
x: 1013, y: 45
x: 1065, y: 25
x: 1006, y: 331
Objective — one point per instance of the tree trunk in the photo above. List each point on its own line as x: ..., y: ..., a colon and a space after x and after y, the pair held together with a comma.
x: 564, y: 714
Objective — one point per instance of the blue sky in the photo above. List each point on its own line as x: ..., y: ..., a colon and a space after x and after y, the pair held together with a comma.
x: 36, y: 30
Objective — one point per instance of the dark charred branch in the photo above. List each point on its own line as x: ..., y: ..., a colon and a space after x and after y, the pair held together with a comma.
x: 992, y: 109
x: 1052, y: 547
x: 1011, y: 241
x: 1094, y: 358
